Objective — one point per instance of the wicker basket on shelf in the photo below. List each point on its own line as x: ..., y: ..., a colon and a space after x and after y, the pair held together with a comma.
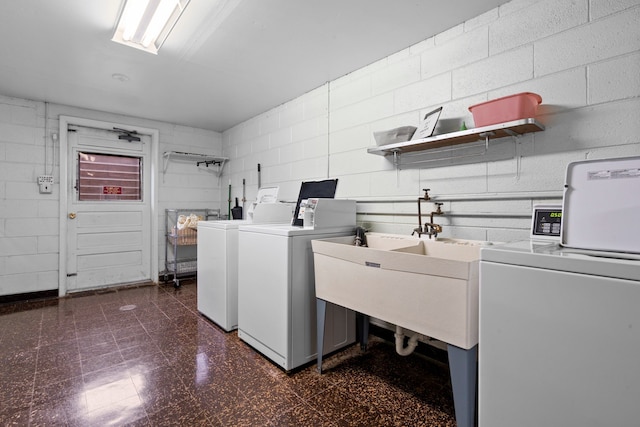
x: 186, y: 236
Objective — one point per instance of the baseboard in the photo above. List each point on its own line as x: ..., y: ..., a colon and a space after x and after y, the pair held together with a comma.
x: 28, y: 296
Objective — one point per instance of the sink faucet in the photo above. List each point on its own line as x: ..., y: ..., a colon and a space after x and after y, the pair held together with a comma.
x: 431, y: 228
x: 426, y: 197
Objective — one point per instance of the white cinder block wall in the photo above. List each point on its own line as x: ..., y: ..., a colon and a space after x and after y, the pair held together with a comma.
x: 581, y: 56
x: 29, y: 237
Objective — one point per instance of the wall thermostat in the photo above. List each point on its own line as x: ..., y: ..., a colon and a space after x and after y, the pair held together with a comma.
x: 546, y: 221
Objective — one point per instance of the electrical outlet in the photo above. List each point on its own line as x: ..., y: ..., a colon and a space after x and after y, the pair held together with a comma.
x: 46, y: 184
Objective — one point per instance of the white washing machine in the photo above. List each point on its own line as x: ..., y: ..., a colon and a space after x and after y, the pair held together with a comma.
x: 277, y: 304
x: 559, y: 326
x: 217, y: 291
x: 559, y: 338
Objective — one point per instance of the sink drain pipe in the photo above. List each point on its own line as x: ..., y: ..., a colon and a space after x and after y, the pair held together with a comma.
x: 411, y: 344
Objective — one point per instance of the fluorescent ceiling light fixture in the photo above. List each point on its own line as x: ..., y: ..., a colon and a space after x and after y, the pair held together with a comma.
x: 145, y: 24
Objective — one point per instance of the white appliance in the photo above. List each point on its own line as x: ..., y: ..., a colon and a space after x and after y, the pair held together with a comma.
x: 217, y: 289
x: 277, y: 304
x: 601, y: 205
x: 559, y: 326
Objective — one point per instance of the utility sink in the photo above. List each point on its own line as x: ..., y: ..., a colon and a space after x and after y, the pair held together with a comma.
x: 426, y: 286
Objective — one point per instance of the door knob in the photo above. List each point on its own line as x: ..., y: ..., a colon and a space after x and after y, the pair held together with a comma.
x: 72, y: 215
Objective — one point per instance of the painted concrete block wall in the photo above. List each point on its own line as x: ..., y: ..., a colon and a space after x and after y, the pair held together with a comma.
x: 289, y: 142
x: 29, y: 240
x: 581, y: 56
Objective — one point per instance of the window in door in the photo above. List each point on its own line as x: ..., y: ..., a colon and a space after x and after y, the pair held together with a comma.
x: 109, y: 177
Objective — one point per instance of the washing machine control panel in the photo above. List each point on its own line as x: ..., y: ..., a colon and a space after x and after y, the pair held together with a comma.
x: 546, y: 221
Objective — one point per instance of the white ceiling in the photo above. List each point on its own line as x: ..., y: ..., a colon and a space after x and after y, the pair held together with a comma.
x: 225, y: 61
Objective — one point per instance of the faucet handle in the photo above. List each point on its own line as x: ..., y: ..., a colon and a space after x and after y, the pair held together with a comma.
x: 426, y: 193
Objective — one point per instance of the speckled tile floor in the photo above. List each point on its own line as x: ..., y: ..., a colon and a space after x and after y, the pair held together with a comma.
x: 143, y: 356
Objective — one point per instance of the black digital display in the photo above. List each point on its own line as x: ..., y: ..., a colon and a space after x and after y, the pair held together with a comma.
x: 546, y: 222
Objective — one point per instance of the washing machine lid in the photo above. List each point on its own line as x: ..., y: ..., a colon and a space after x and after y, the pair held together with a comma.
x: 267, y: 194
x: 601, y: 205
x: 552, y: 256
x: 293, y: 230
x: 225, y: 224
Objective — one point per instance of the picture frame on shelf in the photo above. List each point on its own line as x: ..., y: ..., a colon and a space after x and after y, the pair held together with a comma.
x: 428, y: 124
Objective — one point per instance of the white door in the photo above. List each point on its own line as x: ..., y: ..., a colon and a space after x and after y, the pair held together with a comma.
x: 108, y: 209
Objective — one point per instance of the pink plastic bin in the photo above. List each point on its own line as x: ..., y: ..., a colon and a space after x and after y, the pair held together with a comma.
x: 513, y: 107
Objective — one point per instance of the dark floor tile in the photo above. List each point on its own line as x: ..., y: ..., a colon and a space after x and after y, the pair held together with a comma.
x: 73, y: 405
x: 185, y: 413
x: 113, y: 394
x: 57, y: 373
x: 216, y: 398
x: 14, y: 417
x: 55, y: 322
x: 158, y: 325
x: 140, y: 349
x: 426, y: 416
x: 25, y: 341
x: 58, y: 318
x: 53, y: 392
x: 364, y: 416
x: 146, y: 363
x: 309, y: 382
x: 83, y: 361
x: 333, y: 403
x: 88, y: 312
x: 123, y: 315
x: 123, y: 412
x: 100, y: 362
x: 50, y: 414
x: 129, y: 330
x: 16, y: 395
x: 274, y: 402
x: 63, y: 351
x: 16, y: 363
x: 242, y: 413
x: 159, y: 388
x: 149, y: 310
x: 91, y: 327
x: 96, y: 350
x: 272, y: 391
x: 301, y: 415
x: 54, y: 335
x: 102, y: 337
x: 135, y: 340
x: 114, y: 373
x: 239, y: 360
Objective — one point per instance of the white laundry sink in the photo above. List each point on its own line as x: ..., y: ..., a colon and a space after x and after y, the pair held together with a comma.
x: 427, y: 286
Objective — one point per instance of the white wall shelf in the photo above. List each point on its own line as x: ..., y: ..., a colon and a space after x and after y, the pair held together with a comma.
x: 485, y: 133
x: 200, y: 159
